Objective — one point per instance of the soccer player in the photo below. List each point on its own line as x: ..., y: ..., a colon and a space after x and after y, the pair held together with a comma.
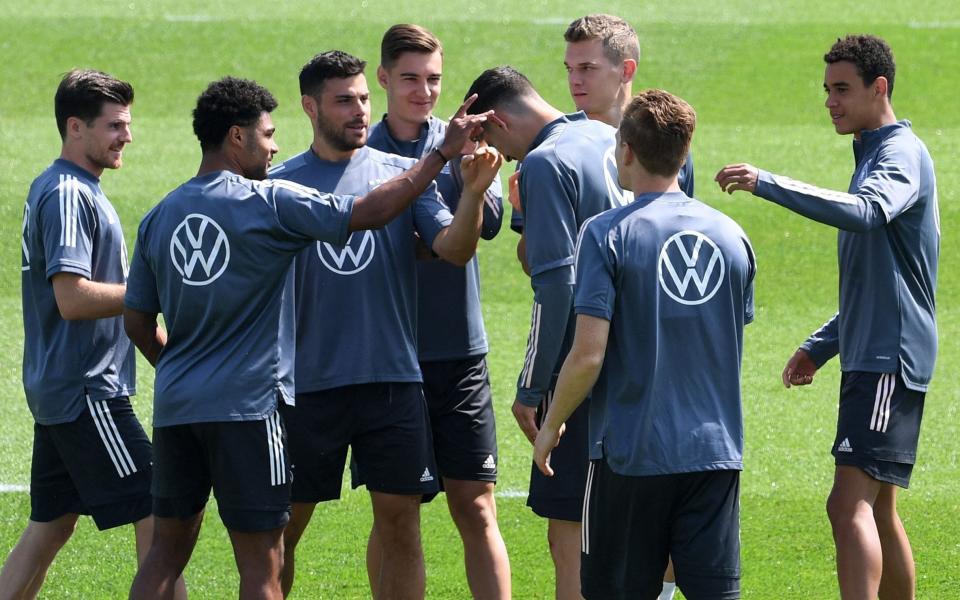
x: 358, y: 381
x: 568, y: 176
x: 90, y: 454
x: 664, y: 288
x: 214, y: 257
x: 885, y: 329
x: 451, y: 341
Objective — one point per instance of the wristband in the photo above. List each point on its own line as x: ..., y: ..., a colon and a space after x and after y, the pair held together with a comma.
x: 440, y: 154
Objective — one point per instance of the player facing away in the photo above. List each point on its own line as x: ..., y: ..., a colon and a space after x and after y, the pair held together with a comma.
x: 664, y: 289
x: 90, y: 454
x: 451, y: 340
x: 358, y: 381
x: 214, y: 258
x: 885, y: 330
x: 568, y: 176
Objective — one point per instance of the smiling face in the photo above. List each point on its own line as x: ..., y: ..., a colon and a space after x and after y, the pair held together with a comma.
x: 413, y: 86
x: 343, y: 112
x: 594, y: 81
x: 259, y: 147
x: 102, y: 140
x: 853, y: 105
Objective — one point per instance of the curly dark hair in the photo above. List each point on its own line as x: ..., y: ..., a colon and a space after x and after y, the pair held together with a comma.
x: 82, y: 94
x: 871, y: 55
x: 332, y: 64
x: 227, y: 102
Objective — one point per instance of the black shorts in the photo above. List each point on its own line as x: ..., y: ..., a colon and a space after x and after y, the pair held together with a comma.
x: 633, y: 524
x: 245, y: 462
x: 561, y: 496
x: 97, y: 465
x: 461, y: 418
x: 878, y: 425
x: 386, y: 426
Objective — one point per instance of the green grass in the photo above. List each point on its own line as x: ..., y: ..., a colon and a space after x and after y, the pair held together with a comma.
x: 752, y: 70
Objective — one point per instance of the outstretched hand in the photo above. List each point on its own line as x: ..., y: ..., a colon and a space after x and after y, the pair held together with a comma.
x: 800, y: 369
x: 480, y: 168
x: 463, y: 128
x: 740, y: 176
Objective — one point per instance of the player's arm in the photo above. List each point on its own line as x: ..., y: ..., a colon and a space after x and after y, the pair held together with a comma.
x: 388, y: 200
x: 78, y: 298
x: 145, y: 333
x: 457, y: 242
x: 577, y: 377
x: 822, y: 345
x: 522, y: 254
x: 891, y: 187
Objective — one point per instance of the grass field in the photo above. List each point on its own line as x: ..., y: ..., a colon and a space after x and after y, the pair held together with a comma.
x: 753, y: 72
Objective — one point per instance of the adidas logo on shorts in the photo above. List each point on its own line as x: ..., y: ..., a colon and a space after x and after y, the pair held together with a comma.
x: 489, y: 463
x: 845, y: 446
x: 426, y: 476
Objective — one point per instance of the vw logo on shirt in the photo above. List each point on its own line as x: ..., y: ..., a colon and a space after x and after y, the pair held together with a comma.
x: 199, y: 250
x: 352, y: 257
x: 691, y: 268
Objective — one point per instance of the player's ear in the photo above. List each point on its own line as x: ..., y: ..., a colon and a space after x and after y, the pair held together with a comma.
x: 309, y: 104
x: 880, y: 86
x: 628, y: 70
x: 235, y: 135
x: 382, y: 77
x: 72, y: 128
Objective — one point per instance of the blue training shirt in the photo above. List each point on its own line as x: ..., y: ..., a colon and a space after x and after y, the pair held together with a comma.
x: 568, y: 175
x: 675, y: 279
x: 214, y: 257
x: 888, y: 249
x: 69, y: 226
x: 357, y: 303
x: 449, y: 319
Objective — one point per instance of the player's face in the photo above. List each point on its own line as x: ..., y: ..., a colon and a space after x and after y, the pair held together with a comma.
x: 413, y: 85
x: 501, y: 139
x: 593, y: 79
x: 851, y: 103
x: 259, y: 147
x: 105, y: 138
x: 343, y: 113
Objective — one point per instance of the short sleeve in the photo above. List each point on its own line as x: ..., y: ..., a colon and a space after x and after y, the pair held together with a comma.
x: 548, y: 192
x: 430, y: 215
x: 67, y: 220
x: 595, y: 267
x: 141, y: 291
x: 306, y: 214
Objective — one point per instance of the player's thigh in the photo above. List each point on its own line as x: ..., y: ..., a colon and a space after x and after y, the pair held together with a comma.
x: 52, y: 492
x: 462, y: 419
x: 561, y: 496
x: 319, y: 429
x: 705, y: 535
x: 109, y: 458
x: 624, y: 534
x: 181, y: 473
x: 393, y: 447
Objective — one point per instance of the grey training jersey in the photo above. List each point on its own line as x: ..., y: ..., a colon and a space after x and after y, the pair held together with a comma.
x: 357, y: 302
x: 69, y: 226
x: 888, y: 247
x: 214, y: 257
x: 675, y: 279
x: 569, y: 175
x: 449, y: 319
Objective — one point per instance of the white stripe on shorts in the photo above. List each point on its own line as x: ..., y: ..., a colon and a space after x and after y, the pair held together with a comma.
x: 881, y: 403
x: 110, y: 435
x: 278, y: 471
x: 585, y: 516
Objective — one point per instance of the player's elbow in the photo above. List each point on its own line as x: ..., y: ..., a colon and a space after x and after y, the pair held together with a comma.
x: 69, y: 311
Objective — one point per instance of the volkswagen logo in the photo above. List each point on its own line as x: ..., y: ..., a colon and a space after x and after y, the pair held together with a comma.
x: 690, y: 257
x: 199, y: 249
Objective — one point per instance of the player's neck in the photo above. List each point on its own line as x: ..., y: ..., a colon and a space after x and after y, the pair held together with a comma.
x: 325, y: 151
x: 75, y: 155
x: 402, y: 129
x: 883, y: 118
x: 614, y: 113
x: 645, y: 183
x: 212, y: 162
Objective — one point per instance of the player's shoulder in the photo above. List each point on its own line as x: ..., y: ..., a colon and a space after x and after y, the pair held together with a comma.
x: 65, y: 181
x: 389, y: 161
x: 289, y: 167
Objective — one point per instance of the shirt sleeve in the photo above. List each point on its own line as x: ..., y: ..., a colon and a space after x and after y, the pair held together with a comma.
x: 306, y: 214
x: 748, y: 310
x: 492, y: 210
x: 67, y: 219
x: 824, y: 343
x: 552, y: 300
x: 891, y: 187
x: 430, y: 215
x: 548, y: 193
x: 595, y: 269
x: 141, y: 291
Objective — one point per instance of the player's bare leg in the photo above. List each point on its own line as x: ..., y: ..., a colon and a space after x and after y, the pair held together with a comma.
x: 564, y: 539
x: 161, y: 573
x: 26, y: 566
x: 143, y: 534
x: 374, y: 561
x: 859, y: 553
x: 474, y: 511
x: 669, y: 582
x: 300, y: 514
x: 397, y: 519
x: 259, y: 557
x: 899, y: 579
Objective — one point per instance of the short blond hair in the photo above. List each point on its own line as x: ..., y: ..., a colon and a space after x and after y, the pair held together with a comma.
x: 619, y: 40
x: 658, y: 127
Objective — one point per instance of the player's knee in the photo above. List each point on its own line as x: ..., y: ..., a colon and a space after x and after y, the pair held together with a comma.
x: 54, y: 534
x: 475, y: 513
